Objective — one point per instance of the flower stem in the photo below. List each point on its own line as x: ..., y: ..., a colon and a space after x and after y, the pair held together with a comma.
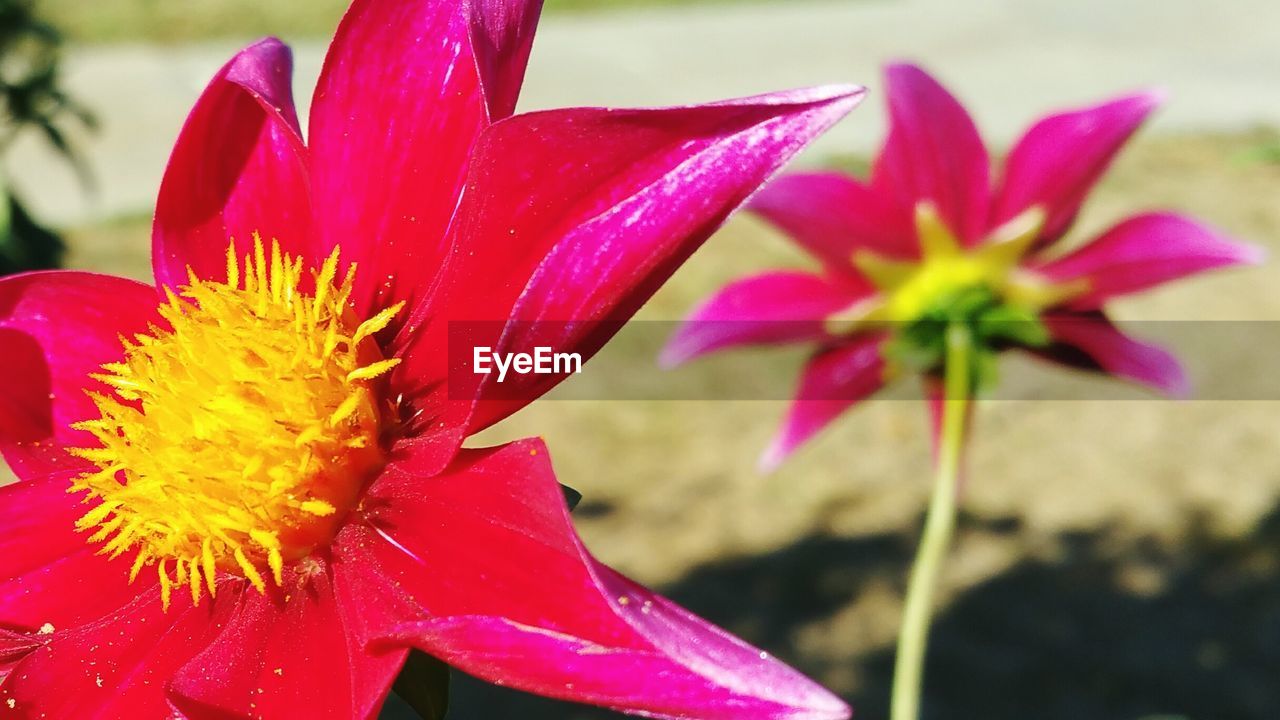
x: 939, y: 525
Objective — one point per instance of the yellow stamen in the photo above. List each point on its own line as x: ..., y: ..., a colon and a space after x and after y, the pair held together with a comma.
x: 236, y: 438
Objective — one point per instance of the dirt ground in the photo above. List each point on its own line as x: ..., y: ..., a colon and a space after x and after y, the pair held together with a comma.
x: 1118, y: 560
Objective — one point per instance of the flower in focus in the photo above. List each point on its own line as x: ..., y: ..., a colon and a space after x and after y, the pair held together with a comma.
x: 242, y: 490
x: 932, y: 239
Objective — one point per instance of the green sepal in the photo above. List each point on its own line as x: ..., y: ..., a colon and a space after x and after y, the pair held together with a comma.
x: 920, y: 346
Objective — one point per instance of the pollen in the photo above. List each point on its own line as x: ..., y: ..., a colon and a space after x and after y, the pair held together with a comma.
x: 238, y: 432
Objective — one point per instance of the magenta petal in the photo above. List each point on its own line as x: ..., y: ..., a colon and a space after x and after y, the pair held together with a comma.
x: 14, y: 646
x: 581, y: 214
x: 833, y: 381
x: 288, y: 657
x: 541, y: 614
x: 49, y: 574
x: 934, y: 153
x: 117, y: 668
x: 502, y: 35
x: 239, y: 168
x: 766, y: 309
x: 397, y: 110
x: 55, y: 329
x: 833, y: 216
x: 1089, y: 341
x: 1145, y: 251
x: 1059, y: 159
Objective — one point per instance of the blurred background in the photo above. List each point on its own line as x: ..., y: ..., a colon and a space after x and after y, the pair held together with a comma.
x: 1117, y: 560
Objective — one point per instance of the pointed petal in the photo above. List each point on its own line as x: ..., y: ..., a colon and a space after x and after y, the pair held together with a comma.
x: 934, y: 153
x: 1145, y: 251
x: 1056, y: 163
x: 541, y: 614
x: 399, y: 106
x: 55, y: 329
x: 833, y: 216
x: 1089, y: 341
x: 239, y: 168
x: 833, y: 381
x: 294, y: 656
x: 772, y: 308
x: 502, y: 35
x: 50, y: 577
x: 116, y: 668
x: 579, y: 215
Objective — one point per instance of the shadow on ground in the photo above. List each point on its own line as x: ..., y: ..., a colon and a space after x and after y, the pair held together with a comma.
x: 1095, y: 627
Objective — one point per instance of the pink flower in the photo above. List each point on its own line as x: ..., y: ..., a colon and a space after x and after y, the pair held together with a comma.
x: 242, y: 490
x: 932, y: 234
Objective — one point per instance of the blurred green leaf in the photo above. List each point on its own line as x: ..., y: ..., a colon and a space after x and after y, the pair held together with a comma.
x: 31, y: 96
x: 25, y: 244
x: 423, y: 684
x: 6, y: 215
x: 571, y: 497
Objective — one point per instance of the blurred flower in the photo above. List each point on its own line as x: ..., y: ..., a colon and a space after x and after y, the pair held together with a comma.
x: 243, y: 491
x: 931, y: 240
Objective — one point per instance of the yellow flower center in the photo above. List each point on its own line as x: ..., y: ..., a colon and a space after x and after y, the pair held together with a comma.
x: 238, y: 437
x: 910, y: 289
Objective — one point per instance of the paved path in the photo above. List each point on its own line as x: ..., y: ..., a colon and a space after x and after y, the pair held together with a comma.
x: 1007, y: 58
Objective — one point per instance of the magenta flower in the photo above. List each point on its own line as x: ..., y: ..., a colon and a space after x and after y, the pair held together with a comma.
x: 242, y: 490
x: 932, y: 234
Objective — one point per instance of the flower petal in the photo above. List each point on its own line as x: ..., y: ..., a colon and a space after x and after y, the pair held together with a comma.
x: 117, y: 668
x: 766, y: 309
x: 542, y: 615
x: 1056, y: 163
x: 502, y: 35
x: 934, y: 153
x: 1089, y: 341
x: 399, y: 106
x: 290, y: 656
x: 13, y: 647
x: 239, y: 168
x: 833, y: 381
x: 575, y: 217
x: 55, y: 329
x: 50, y: 576
x: 1145, y: 251
x: 833, y: 216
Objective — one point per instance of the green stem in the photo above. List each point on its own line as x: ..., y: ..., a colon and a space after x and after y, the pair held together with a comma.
x: 939, y: 525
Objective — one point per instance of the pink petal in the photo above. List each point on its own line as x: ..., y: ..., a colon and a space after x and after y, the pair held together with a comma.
x: 833, y: 216
x: 934, y: 153
x: 117, y: 668
x: 766, y: 309
x: 1058, y: 160
x: 505, y: 591
x: 502, y: 35
x: 397, y: 111
x: 290, y: 656
x: 49, y: 574
x: 1089, y: 341
x: 239, y: 168
x: 55, y: 329
x: 1145, y: 251
x: 579, y: 215
x: 14, y: 646
x: 833, y: 381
